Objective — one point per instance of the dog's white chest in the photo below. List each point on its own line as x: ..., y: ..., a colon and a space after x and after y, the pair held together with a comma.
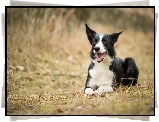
x: 101, y: 75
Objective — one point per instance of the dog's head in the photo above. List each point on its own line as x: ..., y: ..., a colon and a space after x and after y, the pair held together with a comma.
x: 102, y: 44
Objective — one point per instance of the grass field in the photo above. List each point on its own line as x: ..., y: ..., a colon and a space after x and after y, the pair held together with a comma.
x: 48, y: 57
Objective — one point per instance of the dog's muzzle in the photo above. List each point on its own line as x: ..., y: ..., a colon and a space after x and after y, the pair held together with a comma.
x: 98, y: 55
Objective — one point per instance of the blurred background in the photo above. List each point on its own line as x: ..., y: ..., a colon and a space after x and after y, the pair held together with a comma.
x: 60, y: 33
x: 48, y: 50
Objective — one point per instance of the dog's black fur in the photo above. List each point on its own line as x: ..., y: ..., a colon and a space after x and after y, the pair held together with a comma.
x: 121, y: 68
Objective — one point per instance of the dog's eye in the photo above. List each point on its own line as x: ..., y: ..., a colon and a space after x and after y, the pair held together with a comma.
x: 104, y: 40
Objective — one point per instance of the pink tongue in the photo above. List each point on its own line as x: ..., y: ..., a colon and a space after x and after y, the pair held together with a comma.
x: 100, y: 56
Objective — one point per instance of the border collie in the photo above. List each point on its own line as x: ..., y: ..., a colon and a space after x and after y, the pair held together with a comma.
x: 106, y: 71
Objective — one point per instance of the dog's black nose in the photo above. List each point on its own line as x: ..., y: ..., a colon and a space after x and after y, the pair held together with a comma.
x: 96, y: 49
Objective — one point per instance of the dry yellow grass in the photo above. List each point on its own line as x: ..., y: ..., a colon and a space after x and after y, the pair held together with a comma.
x: 47, y: 61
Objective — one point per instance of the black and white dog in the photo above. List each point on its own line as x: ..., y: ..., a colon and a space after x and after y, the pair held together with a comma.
x: 106, y: 71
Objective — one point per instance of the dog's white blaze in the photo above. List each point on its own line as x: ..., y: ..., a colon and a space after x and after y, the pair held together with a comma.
x: 101, y: 77
x: 100, y: 44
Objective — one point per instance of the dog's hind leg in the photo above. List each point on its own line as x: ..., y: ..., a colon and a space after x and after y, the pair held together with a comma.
x: 130, y: 71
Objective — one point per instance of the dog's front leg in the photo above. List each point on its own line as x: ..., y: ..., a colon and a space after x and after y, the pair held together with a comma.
x: 103, y: 89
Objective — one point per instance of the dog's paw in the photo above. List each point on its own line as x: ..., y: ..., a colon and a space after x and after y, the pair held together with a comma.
x: 89, y: 91
x: 99, y: 91
x: 103, y: 89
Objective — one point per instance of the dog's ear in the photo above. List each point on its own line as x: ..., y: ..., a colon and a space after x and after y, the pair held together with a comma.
x: 90, y: 33
x: 114, y: 36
